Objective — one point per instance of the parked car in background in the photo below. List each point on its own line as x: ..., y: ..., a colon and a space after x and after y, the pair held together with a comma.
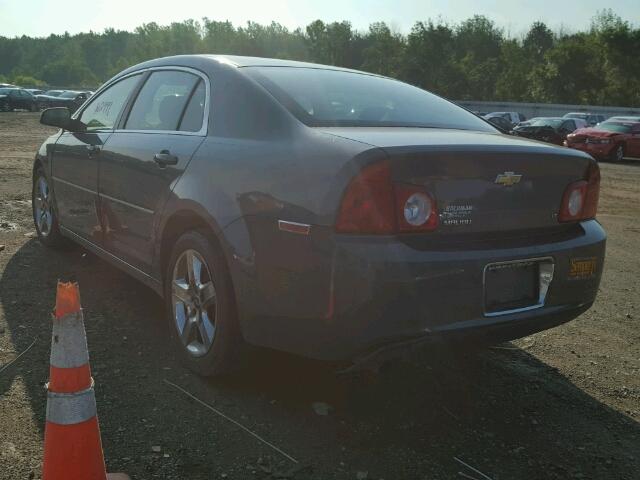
x: 321, y: 211
x: 512, y: 117
x: 549, y: 129
x: 611, y: 140
x: 527, y: 122
x: 69, y: 98
x: 500, y: 122
x: 12, y: 98
x: 591, y: 118
x: 624, y: 119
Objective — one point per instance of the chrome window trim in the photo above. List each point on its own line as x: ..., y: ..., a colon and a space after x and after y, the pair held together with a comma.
x: 207, y: 102
x: 546, y: 271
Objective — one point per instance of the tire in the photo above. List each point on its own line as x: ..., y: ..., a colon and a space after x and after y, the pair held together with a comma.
x: 205, y: 331
x: 617, y: 155
x: 44, y: 212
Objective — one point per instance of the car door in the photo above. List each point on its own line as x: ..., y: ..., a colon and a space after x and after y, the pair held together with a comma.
x: 633, y: 144
x: 29, y: 100
x: 75, y: 156
x: 142, y: 160
x: 14, y: 99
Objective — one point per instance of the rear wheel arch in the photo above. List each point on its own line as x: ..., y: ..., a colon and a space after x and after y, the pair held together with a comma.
x: 184, y: 231
x: 179, y: 223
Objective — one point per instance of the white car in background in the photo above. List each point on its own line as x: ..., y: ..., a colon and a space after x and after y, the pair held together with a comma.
x: 592, y: 119
x: 513, y: 117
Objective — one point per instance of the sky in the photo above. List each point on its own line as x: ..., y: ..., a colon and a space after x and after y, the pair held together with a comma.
x: 43, y: 17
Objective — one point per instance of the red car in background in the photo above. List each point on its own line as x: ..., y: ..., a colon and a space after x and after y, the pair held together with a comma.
x: 611, y: 140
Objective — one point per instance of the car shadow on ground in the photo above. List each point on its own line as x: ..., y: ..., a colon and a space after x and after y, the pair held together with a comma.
x: 502, y: 410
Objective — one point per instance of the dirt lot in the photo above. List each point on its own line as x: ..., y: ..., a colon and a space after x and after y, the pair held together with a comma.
x: 562, y: 404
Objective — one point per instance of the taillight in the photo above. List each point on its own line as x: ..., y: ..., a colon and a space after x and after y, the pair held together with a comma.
x: 580, y: 199
x: 373, y: 204
x: 367, y: 205
x: 417, y: 211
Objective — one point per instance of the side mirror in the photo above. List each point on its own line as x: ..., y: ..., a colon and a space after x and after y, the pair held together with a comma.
x: 61, y: 117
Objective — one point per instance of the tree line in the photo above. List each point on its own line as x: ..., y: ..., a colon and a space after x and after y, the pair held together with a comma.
x: 471, y: 60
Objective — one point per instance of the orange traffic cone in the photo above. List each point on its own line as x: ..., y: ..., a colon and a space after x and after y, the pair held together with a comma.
x: 72, y: 446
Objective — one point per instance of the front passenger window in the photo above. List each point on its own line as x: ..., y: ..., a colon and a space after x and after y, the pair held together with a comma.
x: 103, y: 111
x: 161, y: 101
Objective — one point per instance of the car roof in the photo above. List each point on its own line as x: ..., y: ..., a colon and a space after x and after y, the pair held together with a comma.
x: 236, y: 61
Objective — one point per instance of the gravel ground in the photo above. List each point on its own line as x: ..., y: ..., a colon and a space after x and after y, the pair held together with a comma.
x: 561, y: 404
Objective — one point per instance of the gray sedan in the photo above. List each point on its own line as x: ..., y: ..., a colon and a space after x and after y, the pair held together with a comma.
x: 317, y: 210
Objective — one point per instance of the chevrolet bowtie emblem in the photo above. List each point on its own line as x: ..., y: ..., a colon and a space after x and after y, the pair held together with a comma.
x: 507, y: 179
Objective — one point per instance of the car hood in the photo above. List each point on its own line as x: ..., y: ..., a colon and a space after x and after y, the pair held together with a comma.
x: 436, y: 138
x: 595, y: 132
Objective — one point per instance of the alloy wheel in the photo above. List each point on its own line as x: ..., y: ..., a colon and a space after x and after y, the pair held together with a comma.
x: 43, y: 213
x: 193, y: 299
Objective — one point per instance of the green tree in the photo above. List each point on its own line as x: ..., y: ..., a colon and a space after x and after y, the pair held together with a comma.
x: 384, y: 53
x: 430, y: 58
x: 473, y: 59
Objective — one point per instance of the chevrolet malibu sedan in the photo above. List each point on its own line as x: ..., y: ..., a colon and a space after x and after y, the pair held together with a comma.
x: 317, y: 210
x: 611, y: 140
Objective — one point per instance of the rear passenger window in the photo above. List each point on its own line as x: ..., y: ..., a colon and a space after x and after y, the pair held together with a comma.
x: 161, y: 101
x: 193, y: 115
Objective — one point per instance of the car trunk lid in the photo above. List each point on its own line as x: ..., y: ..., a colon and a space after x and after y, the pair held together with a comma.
x: 481, y: 182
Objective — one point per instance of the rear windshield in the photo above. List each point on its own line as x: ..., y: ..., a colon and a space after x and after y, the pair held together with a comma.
x: 616, y: 127
x: 327, y: 98
x: 582, y: 116
x: 68, y: 95
x: 6, y: 91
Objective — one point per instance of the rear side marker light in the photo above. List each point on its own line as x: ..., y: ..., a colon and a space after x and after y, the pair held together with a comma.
x: 294, y: 227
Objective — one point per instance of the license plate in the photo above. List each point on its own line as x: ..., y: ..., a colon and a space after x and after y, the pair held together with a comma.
x: 511, y: 286
x: 580, y: 268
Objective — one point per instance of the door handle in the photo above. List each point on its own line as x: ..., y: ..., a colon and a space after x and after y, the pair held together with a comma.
x: 93, y: 148
x: 165, y: 158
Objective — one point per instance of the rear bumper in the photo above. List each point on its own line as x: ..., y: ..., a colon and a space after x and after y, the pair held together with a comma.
x: 480, y: 334
x: 385, y: 293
